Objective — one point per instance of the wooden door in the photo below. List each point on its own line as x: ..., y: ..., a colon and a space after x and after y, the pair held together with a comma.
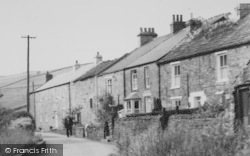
x: 246, y: 105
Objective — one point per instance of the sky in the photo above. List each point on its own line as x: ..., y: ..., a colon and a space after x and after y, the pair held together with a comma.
x: 70, y: 30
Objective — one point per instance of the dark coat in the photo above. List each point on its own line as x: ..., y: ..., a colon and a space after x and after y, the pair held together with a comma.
x: 68, y: 122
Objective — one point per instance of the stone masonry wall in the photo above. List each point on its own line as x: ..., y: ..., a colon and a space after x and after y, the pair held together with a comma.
x: 117, y: 86
x: 153, y: 91
x: 203, y: 77
x: 51, y: 106
x: 82, y: 92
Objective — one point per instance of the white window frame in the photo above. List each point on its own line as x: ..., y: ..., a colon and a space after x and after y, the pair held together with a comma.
x: 194, y: 95
x: 134, y: 79
x: 222, y: 66
x: 174, y: 101
x: 109, y: 86
x: 138, y: 110
x: 147, y: 99
x: 41, y: 117
x: 175, y: 75
x: 129, y: 107
x: 46, y: 117
x: 146, y: 77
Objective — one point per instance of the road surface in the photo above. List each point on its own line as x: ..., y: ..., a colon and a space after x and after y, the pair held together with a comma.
x: 78, y: 146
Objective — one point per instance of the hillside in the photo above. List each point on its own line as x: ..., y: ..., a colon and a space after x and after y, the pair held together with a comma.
x: 14, y: 87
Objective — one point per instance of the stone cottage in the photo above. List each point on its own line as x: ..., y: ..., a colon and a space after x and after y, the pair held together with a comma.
x: 142, y: 75
x: 85, y: 92
x: 208, y: 67
x: 53, y: 100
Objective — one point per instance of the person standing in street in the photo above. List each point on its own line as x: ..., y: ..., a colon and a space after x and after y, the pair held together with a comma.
x: 68, y: 122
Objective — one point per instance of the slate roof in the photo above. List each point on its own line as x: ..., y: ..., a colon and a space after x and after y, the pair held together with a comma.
x: 136, y: 54
x: 223, y: 38
x: 96, y: 70
x: 162, y: 49
x: 66, y: 77
x: 133, y: 95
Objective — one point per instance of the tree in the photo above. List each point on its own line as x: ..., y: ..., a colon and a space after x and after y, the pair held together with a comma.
x: 107, y: 112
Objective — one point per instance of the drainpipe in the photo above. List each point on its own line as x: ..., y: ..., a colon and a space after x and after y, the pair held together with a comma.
x: 96, y: 92
x: 124, y: 84
x: 69, y: 99
x: 159, y: 80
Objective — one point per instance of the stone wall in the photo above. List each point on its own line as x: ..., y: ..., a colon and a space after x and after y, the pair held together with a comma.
x: 82, y: 92
x: 117, y: 86
x: 202, y: 77
x: 153, y: 91
x: 51, y: 107
x: 133, y: 126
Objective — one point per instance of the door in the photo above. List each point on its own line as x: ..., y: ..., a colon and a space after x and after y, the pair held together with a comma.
x: 148, y: 104
x: 246, y: 106
x: 56, y: 120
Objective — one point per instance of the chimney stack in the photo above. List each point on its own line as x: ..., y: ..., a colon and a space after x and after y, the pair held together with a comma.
x: 147, y: 35
x: 76, y: 66
x: 244, y: 10
x: 48, y: 76
x: 177, y: 24
x: 98, y: 58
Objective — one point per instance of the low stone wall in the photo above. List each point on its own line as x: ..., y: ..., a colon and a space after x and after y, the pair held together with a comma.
x: 198, y: 122
x: 94, y: 132
x: 130, y: 127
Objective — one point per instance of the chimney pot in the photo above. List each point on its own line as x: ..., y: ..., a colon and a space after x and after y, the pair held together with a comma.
x: 48, y: 76
x: 244, y: 10
x: 141, y: 30
x: 147, y: 36
x: 98, y: 58
x: 76, y: 66
x: 178, y: 24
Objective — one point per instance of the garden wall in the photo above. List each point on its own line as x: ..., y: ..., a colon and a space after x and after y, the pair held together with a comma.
x: 131, y: 126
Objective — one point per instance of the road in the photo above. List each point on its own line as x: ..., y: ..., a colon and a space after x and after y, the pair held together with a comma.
x: 78, y: 146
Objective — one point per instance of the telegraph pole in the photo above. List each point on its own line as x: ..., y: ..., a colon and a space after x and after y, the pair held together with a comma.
x: 28, y: 70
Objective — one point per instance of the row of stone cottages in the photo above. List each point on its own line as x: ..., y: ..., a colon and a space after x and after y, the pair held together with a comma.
x: 199, y: 61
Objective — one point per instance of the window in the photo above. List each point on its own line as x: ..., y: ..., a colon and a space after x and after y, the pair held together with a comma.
x: 176, y: 75
x: 197, y: 101
x: 46, y: 117
x: 41, y: 117
x: 78, y: 117
x: 109, y: 86
x: 146, y: 77
x: 137, y: 106
x: 222, y: 65
x: 148, y: 104
x: 91, y: 103
x: 176, y: 104
x: 63, y: 113
x: 134, y: 79
x: 129, y: 107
